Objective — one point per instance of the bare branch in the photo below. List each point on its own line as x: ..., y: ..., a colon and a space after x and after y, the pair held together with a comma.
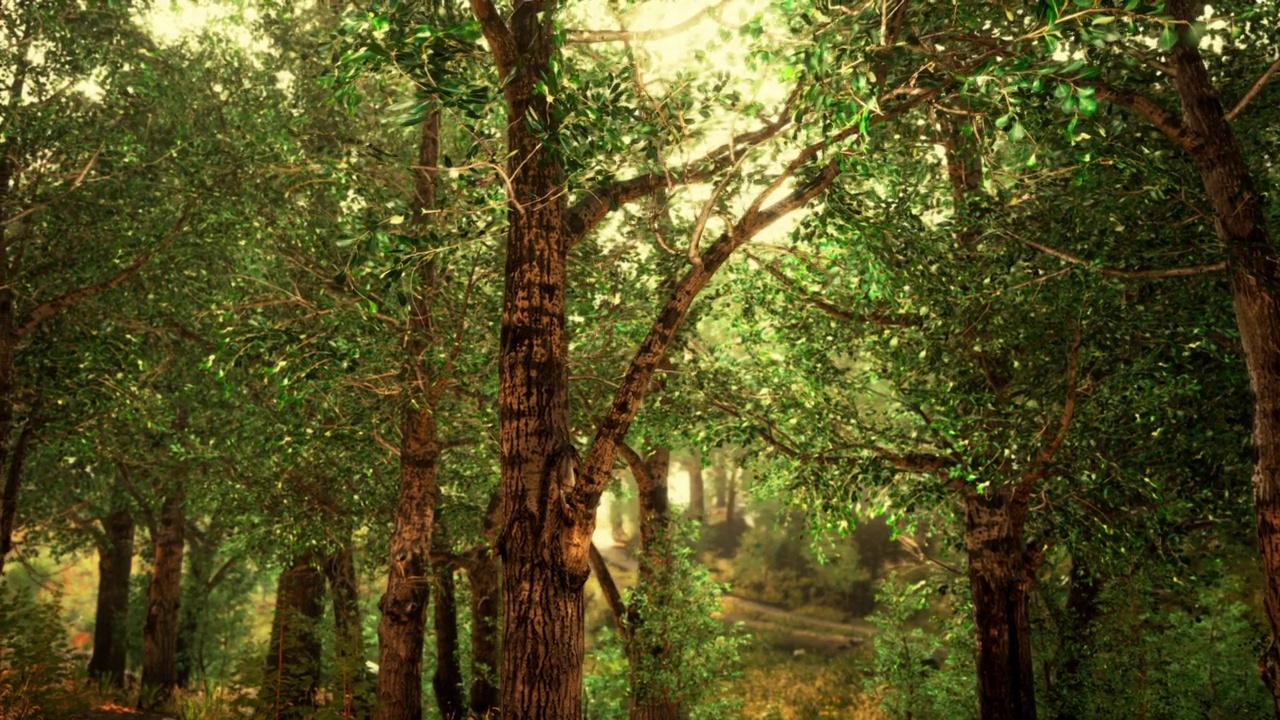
x: 1253, y: 91
x: 1124, y: 274
x: 48, y: 309
x: 611, y: 594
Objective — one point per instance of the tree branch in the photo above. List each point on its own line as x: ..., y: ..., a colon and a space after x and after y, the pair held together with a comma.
x: 1124, y: 274
x: 611, y: 594
x: 1253, y: 91
x: 599, y: 201
x: 1164, y: 121
x: 48, y: 309
x: 501, y: 41
x: 1036, y: 470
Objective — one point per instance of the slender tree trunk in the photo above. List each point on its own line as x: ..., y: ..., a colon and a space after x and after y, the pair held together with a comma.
x: 720, y: 482
x: 447, y: 680
x: 486, y: 642
x: 202, y: 549
x: 1000, y: 573
x: 1255, y: 292
x: 1077, y: 631
x: 697, y: 491
x: 160, y: 634
x: 292, y: 674
x: 111, y: 619
x: 730, y: 499
x: 13, y: 473
x: 648, y: 653
x: 403, y: 606
x: 344, y: 589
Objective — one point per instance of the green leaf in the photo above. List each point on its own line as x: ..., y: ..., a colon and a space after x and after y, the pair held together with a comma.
x: 1169, y: 37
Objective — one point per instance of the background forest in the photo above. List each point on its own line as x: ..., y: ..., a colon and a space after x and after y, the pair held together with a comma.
x: 662, y: 360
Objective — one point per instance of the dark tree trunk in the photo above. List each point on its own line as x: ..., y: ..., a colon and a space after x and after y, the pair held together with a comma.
x: 697, y: 490
x: 13, y: 473
x: 1255, y: 292
x: 404, y: 605
x: 447, y: 680
x: 111, y: 619
x: 292, y: 674
x: 344, y: 589
x: 1077, y: 632
x: 202, y: 549
x: 1001, y: 569
x: 486, y: 642
x: 160, y: 634
x: 730, y: 499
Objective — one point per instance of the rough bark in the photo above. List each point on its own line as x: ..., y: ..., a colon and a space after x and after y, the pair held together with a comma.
x: 697, y: 489
x: 1001, y: 569
x: 344, y: 591
x: 486, y: 642
x: 1240, y: 221
x: 111, y: 617
x: 447, y: 680
x: 160, y: 633
x: 403, y: 606
x: 292, y: 674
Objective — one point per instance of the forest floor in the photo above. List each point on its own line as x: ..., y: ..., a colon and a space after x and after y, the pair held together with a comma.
x: 118, y: 712
x: 787, y: 629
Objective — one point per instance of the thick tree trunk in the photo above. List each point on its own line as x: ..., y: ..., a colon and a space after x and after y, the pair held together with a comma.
x: 1001, y: 569
x: 160, y: 634
x: 697, y: 489
x: 344, y: 590
x: 292, y: 674
x: 111, y: 619
x: 486, y: 642
x: 404, y: 605
x: 1255, y: 292
x: 542, y: 574
x: 447, y: 680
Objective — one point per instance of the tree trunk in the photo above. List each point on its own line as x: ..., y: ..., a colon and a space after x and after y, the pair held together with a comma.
x: 344, y: 589
x: 731, y: 499
x: 1001, y: 569
x: 1255, y: 290
x: 111, y: 619
x: 697, y: 490
x: 720, y: 479
x: 292, y: 674
x: 486, y: 643
x: 13, y: 473
x: 160, y: 634
x: 202, y: 549
x: 542, y: 574
x: 1082, y: 609
x: 447, y: 680
x: 403, y: 606
x: 646, y: 652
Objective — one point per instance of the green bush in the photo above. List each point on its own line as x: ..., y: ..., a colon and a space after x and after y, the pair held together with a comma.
x: 37, y: 671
